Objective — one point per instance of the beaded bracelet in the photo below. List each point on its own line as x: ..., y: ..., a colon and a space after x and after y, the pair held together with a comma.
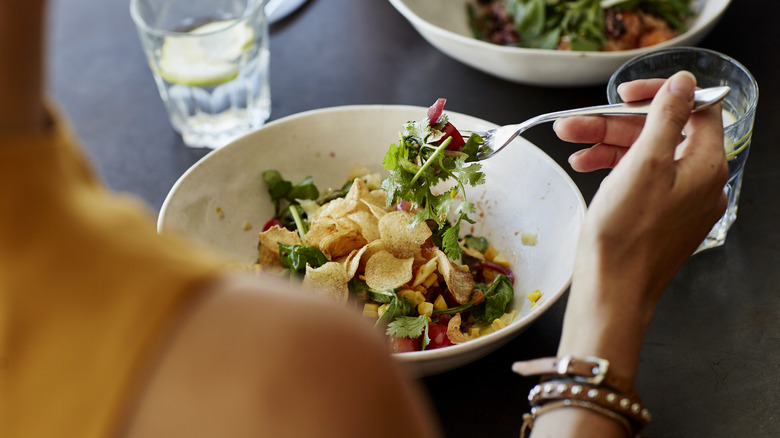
x: 536, y: 411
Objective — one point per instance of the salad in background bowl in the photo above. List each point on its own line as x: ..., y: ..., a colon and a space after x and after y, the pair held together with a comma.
x: 446, y: 25
x: 223, y: 202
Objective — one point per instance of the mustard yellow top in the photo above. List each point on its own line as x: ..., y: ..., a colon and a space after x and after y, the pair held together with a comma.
x: 86, y: 288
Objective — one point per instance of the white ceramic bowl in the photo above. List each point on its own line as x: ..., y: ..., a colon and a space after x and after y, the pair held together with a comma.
x: 526, y: 191
x: 444, y: 24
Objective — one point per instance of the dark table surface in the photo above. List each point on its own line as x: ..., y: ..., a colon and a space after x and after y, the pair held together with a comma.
x: 710, y: 366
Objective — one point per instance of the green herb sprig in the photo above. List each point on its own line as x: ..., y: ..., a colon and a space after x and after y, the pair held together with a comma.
x: 417, y: 164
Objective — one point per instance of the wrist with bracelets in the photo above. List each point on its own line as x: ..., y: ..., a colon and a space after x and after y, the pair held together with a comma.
x: 585, y: 383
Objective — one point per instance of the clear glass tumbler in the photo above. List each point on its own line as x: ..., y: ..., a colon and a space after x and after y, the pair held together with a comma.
x: 739, y: 109
x: 210, y: 61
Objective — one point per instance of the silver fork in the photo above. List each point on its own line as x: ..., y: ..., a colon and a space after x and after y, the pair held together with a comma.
x: 498, y: 138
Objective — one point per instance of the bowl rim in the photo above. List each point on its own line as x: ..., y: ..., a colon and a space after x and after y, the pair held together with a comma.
x: 495, y: 338
x: 418, y: 21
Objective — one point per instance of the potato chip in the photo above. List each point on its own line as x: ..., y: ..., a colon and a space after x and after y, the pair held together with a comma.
x: 367, y: 224
x: 329, y: 281
x: 358, y: 191
x: 453, y: 331
x: 377, y: 197
x: 352, y: 261
x: 341, y: 243
x: 377, y: 210
x: 268, y: 251
x: 385, y: 272
x: 459, y: 280
x: 401, y: 239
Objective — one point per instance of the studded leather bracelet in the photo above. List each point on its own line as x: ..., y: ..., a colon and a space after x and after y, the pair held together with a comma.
x: 584, y: 383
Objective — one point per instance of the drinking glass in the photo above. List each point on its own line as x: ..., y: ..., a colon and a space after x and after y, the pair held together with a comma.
x: 739, y: 110
x: 210, y: 60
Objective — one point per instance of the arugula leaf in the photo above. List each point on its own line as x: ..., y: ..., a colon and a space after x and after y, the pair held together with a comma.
x: 481, y: 244
x: 296, y: 257
x: 282, y: 190
x: 360, y: 288
x: 277, y: 188
x: 498, y: 296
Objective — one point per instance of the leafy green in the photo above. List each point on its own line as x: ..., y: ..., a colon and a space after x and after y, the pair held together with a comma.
x: 282, y: 190
x: 541, y: 24
x: 497, y: 297
x: 361, y: 289
x: 479, y: 243
x: 417, y: 164
x: 410, y: 327
x: 296, y: 257
x: 398, y: 306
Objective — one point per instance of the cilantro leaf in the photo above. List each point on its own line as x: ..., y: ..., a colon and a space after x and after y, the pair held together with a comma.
x: 410, y: 327
x: 419, y: 164
x: 407, y: 326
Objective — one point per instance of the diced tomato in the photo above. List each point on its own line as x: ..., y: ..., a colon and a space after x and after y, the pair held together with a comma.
x: 434, y: 112
x: 438, y: 334
x: 457, y: 140
x: 271, y: 223
x: 403, y: 344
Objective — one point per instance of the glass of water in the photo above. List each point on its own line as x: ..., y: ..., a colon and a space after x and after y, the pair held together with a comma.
x: 739, y: 109
x: 209, y: 59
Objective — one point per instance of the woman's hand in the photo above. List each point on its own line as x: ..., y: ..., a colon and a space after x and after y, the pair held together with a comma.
x: 652, y: 211
x: 665, y: 192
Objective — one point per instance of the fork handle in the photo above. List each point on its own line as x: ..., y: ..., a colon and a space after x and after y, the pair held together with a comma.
x: 702, y: 98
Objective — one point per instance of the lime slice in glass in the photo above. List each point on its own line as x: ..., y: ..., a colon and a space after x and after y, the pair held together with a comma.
x: 207, y: 55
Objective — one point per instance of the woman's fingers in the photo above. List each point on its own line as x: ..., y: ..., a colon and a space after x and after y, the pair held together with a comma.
x: 598, y: 156
x: 617, y: 130
x: 640, y: 89
x: 669, y: 113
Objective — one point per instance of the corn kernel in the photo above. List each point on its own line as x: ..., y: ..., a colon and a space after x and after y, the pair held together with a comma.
x: 381, y: 310
x: 425, y: 308
x: 501, y: 260
x: 247, y: 226
x: 491, y: 253
x: 497, y: 324
x: 440, y: 303
x: 371, y: 310
x: 414, y: 296
x: 533, y: 297
x: 473, y: 332
x: 489, y: 275
x: 420, y: 288
x: 430, y: 280
x: 528, y: 238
